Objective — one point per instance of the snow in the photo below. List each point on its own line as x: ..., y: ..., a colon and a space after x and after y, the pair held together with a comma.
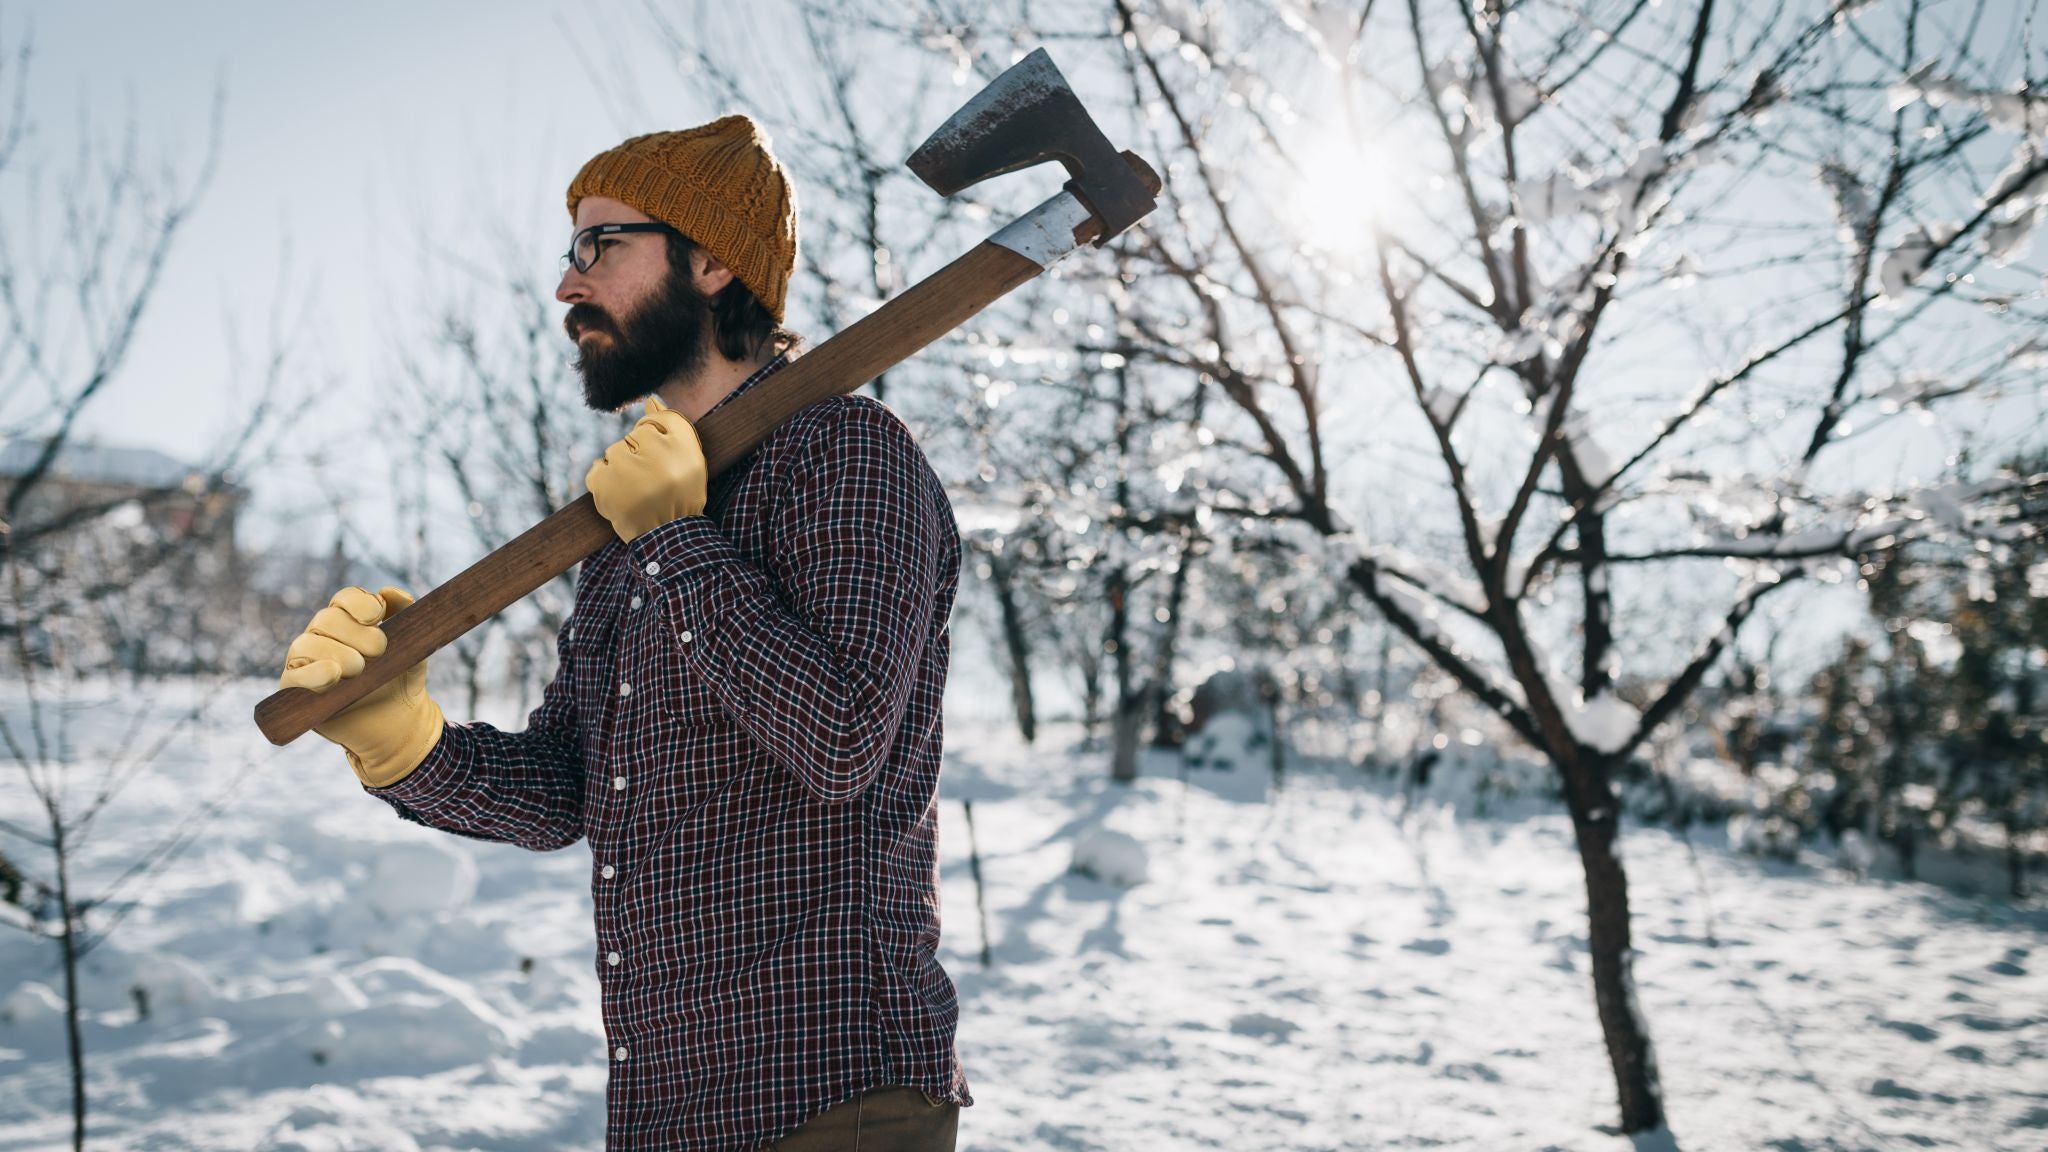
x: 1604, y: 723
x: 1852, y: 200
x: 2019, y: 111
x: 2021, y: 193
x: 1939, y: 640
x: 1231, y: 757
x: 1110, y: 856
x: 1612, y: 194
x: 1330, y: 965
x: 2014, y: 185
x: 1908, y: 258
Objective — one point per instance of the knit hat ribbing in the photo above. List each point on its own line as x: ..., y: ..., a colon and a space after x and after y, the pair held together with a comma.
x: 717, y: 184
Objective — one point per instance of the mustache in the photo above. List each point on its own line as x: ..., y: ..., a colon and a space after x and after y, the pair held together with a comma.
x: 586, y: 315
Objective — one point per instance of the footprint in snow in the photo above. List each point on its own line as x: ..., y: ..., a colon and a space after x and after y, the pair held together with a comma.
x: 1428, y: 946
x: 1910, y: 1030
x: 1977, y: 1022
x: 1266, y: 1027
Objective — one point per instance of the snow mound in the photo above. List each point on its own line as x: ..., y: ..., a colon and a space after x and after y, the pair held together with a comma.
x: 422, y: 877
x: 1110, y: 856
x: 32, y: 1009
x: 1231, y: 757
x: 386, y: 1017
x: 322, y: 997
x: 562, y: 1044
x: 174, y: 987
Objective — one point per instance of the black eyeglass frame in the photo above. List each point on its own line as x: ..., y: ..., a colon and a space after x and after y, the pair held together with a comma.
x: 569, y: 259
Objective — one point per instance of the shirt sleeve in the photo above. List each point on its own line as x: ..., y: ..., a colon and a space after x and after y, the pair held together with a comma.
x: 814, y: 655
x: 523, y: 788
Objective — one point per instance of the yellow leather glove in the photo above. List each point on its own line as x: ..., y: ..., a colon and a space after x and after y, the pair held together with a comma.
x: 654, y: 474
x: 389, y: 732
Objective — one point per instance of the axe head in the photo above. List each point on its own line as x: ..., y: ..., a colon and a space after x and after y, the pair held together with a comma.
x: 1027, y: 116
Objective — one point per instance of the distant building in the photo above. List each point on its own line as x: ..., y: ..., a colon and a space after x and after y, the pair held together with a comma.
x: 88, y: 479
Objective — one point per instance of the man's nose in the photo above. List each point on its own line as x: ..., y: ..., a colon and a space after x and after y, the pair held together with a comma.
x: 573, y: 289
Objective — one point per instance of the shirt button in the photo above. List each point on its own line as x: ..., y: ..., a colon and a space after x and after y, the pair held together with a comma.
x: 612, y: 958
x: 686, y: 637
x: 636, y: 602
x: 608, y: 872
x: 618, y: 783
x: 625, y: 689
x: 619, y: 1053
x: 652, y: 567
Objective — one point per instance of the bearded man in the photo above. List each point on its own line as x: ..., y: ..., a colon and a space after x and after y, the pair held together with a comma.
x: 745, y: 723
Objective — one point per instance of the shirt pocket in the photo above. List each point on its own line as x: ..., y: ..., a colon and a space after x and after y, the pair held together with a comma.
x: 655, y: 655
x: 586, y: 660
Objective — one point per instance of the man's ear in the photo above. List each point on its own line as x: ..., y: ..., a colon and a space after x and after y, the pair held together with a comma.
x: 708, y: 272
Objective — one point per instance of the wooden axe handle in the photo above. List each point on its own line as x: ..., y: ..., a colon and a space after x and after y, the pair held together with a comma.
x: 872, y: 345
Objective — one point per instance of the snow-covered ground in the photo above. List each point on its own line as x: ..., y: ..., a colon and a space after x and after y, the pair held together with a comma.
x: 1317, y: 969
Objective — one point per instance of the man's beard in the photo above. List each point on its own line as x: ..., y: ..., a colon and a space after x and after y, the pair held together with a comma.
x: 666, y: 336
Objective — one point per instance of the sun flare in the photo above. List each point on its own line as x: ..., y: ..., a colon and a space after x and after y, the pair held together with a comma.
x: 1343, y: 194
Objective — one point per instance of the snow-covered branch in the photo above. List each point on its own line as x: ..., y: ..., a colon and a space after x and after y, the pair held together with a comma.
x: 1953, y: 507
x: 1680, y: 688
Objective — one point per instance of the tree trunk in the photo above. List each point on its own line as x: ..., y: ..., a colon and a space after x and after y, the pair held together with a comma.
x: 1016, y: 645
x: 1166, y: 731
x: 1596, y: 820
x: 11, y: 882
x: 1385, y: 671
x: 2015, y: 859
x: 1090, y: 669
x: 1123, y: 764
x: 974, y: 867
x: 1123, y: 758
x: 1279, y: 753
x: 69, y: 941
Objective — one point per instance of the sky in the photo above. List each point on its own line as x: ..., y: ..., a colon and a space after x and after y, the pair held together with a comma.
x: 345, y: 127
x: 342, y: 124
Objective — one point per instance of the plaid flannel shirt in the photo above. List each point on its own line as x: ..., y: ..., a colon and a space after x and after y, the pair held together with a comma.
x: 745, y: 726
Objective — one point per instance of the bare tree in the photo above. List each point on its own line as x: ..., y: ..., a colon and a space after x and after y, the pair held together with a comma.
x: 119, y: 588
x: 1572, y: 147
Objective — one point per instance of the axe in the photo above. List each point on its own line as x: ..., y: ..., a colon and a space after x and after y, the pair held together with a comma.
x: 1027, y: 116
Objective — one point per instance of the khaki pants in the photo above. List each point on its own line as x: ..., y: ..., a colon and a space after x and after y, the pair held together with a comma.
x: 881, y: 1120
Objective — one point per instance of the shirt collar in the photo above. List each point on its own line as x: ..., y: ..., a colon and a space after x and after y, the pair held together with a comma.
x: 780, y: 361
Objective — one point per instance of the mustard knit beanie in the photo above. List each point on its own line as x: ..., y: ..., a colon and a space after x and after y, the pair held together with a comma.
x: 720, y: 186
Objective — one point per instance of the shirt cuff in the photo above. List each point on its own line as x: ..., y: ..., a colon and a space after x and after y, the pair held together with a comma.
x: 436, y: 777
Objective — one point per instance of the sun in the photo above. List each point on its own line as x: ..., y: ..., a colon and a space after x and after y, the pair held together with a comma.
x: 1343, y: 194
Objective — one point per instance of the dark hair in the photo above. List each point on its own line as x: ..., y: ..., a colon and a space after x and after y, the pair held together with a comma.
x: 740, y: 323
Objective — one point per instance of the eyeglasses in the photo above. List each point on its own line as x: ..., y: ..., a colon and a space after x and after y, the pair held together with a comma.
x: 584, y: 248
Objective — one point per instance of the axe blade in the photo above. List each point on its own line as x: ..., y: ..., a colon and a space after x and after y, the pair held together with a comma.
x: 1027, y: 116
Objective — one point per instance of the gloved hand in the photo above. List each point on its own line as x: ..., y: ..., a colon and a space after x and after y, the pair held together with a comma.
x: 654, y: 474
x: 389, y: 732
